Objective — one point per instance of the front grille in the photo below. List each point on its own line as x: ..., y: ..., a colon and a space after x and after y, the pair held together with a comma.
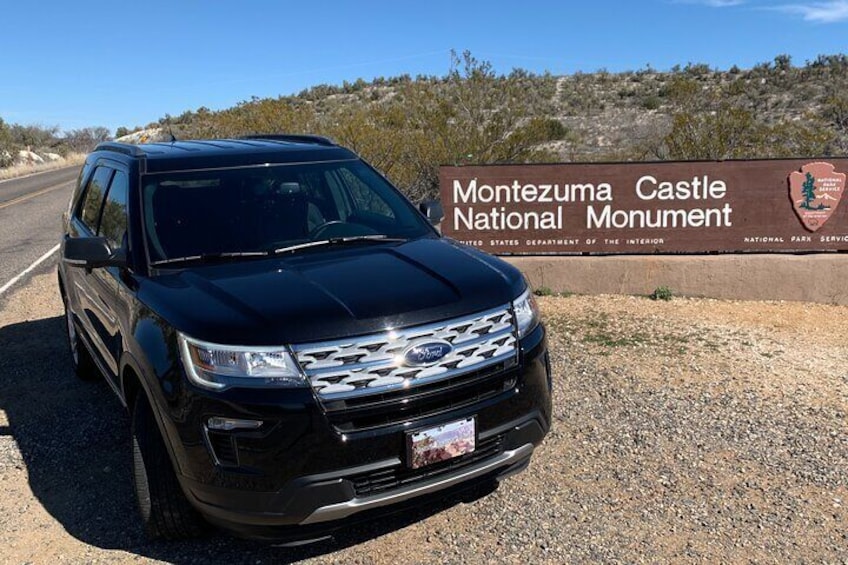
x: 365, y: 383
x: 369, y: 412
x: 374, y: 364
x: 376, y: 482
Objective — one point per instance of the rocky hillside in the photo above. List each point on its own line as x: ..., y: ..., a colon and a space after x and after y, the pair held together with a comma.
x: 408, y: 126
x: 630, y: 115
x: 36, y: 145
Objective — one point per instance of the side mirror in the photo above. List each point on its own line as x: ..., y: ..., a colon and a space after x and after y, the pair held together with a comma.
x: 91, y: 253
x: 433, y: 210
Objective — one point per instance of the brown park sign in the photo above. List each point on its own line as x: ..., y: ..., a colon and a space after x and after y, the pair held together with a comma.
x: 664, y: 207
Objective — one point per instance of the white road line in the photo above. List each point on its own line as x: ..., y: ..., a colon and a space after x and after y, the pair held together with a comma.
x: 29, y: 269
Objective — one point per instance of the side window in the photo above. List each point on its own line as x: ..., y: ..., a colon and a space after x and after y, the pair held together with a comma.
x: 83, y: 173
x: 113, y: 220
x: 78, y: 188
x: 94, y: 193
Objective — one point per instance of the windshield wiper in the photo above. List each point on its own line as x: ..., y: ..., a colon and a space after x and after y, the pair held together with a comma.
x: 338, y: 241
x: 208, y: 257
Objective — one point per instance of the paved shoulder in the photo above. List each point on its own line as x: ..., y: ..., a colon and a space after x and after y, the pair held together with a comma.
x: 30, y: 212
x: 12, y: 189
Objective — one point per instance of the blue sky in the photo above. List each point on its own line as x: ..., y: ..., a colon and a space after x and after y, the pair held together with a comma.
x: 88, y: 63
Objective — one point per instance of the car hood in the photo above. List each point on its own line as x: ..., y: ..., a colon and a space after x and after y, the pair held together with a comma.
x: 331, y: 293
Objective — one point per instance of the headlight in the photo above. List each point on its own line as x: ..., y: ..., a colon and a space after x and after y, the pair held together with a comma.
x: 219, y: 366
x: 526, y: 312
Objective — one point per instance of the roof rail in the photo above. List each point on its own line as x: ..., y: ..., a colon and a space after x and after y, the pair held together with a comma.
x: 117, y: 147
x: 297, y: 138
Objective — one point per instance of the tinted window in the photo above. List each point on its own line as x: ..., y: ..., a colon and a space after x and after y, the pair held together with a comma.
x: 262, y: 209
x: 94, y: 193
x: 79, y: 186
x: 364, y: 198
x: 113, y: 221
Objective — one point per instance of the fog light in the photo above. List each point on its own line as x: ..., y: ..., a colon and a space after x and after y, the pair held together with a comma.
x: 227, y: 424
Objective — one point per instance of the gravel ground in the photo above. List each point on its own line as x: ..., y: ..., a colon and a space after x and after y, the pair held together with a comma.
x: 686, y: 431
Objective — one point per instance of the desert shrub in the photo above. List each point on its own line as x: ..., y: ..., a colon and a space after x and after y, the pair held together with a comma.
x: 652, y: 102
x: 662, y: 293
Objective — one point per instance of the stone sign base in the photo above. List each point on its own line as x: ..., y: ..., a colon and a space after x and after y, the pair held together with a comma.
x: 808, y: 278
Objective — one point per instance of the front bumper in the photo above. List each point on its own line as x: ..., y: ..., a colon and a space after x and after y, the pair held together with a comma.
x: 324, y: 502
x: 302, y: 473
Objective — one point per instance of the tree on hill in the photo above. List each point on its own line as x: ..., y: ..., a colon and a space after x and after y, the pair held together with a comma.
x: 6, y: 148
x: 408, y: 126
x: 85, y: 139
x: 477, y: 116
x: 34, y: 137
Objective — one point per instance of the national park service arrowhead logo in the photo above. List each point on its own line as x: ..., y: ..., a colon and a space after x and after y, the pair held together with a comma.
x: 816, y: 191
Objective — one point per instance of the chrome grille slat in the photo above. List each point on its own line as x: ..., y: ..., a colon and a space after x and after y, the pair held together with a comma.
x: 367, y: 391
x: 330, y: 367
x: 373, y: 364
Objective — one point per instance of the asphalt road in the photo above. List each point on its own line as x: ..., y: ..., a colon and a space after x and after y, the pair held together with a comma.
x: 30, y: 214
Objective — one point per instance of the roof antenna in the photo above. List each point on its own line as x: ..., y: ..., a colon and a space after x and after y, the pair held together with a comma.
x: 170, y: 131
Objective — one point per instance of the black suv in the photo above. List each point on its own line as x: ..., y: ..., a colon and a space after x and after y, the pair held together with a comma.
x: 296, y: 344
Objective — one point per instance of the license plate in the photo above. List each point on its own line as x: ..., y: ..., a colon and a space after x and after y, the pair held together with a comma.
x: 426, y: 447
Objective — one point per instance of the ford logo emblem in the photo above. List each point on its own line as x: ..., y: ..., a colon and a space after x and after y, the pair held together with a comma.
x: 426, y: 353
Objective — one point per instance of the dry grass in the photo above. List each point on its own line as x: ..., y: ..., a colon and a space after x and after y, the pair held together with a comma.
x: 16, y: 171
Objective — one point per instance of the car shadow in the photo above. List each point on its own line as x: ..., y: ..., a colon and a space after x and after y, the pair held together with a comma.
x: 74, y: 440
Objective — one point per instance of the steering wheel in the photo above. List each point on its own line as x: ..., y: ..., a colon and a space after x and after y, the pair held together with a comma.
x: 319, y: 231
x: 340, y: 228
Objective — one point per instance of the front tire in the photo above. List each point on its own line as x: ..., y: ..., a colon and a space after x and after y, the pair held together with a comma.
x: 165, y: 510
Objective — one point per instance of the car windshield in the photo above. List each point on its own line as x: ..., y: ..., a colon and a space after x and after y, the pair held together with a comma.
x: 231, y: 212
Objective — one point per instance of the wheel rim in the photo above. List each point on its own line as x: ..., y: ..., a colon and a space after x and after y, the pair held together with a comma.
x: 72, y: 336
